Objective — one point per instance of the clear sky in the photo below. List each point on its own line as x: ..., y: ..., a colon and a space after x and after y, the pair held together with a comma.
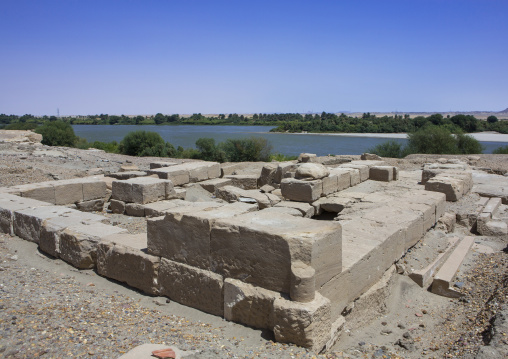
x: 213, y: 56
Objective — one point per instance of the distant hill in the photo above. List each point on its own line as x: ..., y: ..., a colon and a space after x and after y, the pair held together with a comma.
x: 504, y: 111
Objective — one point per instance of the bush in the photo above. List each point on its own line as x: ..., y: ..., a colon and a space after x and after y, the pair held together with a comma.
x: 279, y: 157
x: 57, y: 133
x: 467, y: 144
x: 207, y: 149
x: 501, y: 150
x: 145, y: 143
x: 492, y: 119
x: 21, y: 126
x: 244, y: 150
x: 392, y: 149
x: 432, y: 140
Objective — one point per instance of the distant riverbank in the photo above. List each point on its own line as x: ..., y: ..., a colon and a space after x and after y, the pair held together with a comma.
x: 480, y: 136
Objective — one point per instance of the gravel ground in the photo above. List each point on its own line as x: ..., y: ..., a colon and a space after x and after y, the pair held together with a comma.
x: 49, y: 309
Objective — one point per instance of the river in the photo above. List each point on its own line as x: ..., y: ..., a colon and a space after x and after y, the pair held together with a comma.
x: 285, y: 143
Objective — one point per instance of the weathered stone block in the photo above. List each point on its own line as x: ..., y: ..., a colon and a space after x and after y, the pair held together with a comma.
x: 303, y: 282
x: 161, y: 164
x: 9, y: 204
x: 192, y: 286
x: 259, y: 248
x: 122, y: 257
x: 40, y: 191
x: 343, y: 177
x: 134, y: 210
x: 212, y: 184
x: 243, y: 181
x: 184, y: 233
x: 122, y: 191
x: 267, y: 176
x: 304, y: 324
x: 451, y: 187
x: 381, y: 173
x: 67, y: 192
x: 117, y: 206
x: 362, y: 169
x: 78, y: 243
x: 282, y: 169
x: 330, y: 184
x: 94, y: 205
x: 305, y: 209
x: 248, y: 304
x: 303, y: 191
x: 233, y: 194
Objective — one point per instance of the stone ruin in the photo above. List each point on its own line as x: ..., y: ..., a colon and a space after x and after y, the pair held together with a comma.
x: 279, y: 246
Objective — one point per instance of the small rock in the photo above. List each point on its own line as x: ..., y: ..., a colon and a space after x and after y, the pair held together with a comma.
x: 459, y: 284
x: 424, y: 311
x: 401, y: 326
x: 407, y: 335
x: 384, y: 323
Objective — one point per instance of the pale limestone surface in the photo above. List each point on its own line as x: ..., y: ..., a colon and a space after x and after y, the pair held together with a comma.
x: 301, y: 191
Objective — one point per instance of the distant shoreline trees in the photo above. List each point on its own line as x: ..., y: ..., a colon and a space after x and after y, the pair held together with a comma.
x: 283, y: 122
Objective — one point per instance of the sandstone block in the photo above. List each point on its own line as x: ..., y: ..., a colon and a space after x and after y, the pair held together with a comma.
x: 267, y: 176
x: 259, y: 248
x: 117, y: 206
x: 243, y: 181
x: 248, y: 304
x: 161, y: 164
x: 305, y: 209
x: 330, y: 184
x: 381, y: 173
x: 191, y: 286
x: 212, y: 184
x: 127, y: 175
x: 282, y: 169
x: 306, y: 157
x: 183, y: 235
x: 78, y: 243
x: 233, y: 194
x: 41, y: 191
x: 134, y: 210
x: 94, y: 205
x: 9, y: 204
x: 303, y: 191
x: 311, y: 171
x: 303, y: 282
x: 362, y: 169
x: 122, y: 257
x: 67, y: 192
x: 451, y: 187
x: 304, y: 324
x: 343, y: 177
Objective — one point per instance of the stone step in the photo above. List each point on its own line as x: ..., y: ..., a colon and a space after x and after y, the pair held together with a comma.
x: 442, y: 281
x: 423, y: 276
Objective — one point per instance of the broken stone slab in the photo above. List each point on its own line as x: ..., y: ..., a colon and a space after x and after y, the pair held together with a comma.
x: 283, y: 210
x: 51, y: 229
x: 363, y: 170
x: 127, y: 175
x: 248, y: 304
x: 305, y: 209
x: 243, y: 181
x: 134, y: 210
x: 259, y: 248
x: 161, y: 164
x: 28, y: 222
x: 492, y: 206
x: 453, y: 188
x: 302, y: 191
x: 424, y: 276
x: 194, y: 287
x: 233, y: 194
x: 441, y: 284
x: 381, y: 173
x: 157, y: 209
x: 267, y: 189
x: 268, y: 173
x: 447, y: 222
x: 489, y: 185
x: 195, y: 193
x: 123, y: 257
x: 94, y: 205
x: 188, y: 172
x: 212, y: 184
x: 78, y: 243
x: 311, y: 171
x: 332, y: 204
x: 241, y: 168
x: 68, y: 192
x: 304, y: 324
x: 183, y: 235
x: 9, y: 204
x: 432, y: 170
x: 39, y: 191
x: 128, y: 167
x: 370, y: 156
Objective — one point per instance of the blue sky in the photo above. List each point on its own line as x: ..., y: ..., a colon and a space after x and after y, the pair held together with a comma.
x: 144, y: 57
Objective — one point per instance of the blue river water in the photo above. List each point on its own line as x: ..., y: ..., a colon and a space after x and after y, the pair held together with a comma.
x: 284, y: 143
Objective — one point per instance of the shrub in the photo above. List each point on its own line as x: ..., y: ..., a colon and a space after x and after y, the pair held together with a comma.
x: 145, y: 143
x: 432, y: 140
x: 492, y: 119
x: 392, y: 149
x: 244, y: 150
x: 467, y: 144
x: 279, y: 157
x: 207, y: 149
x: 21, y: 126
x: 57, y: 133
x: 501, y: 150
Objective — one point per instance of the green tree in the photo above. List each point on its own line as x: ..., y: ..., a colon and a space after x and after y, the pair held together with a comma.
x: 492, y: 119
x: 57, y: 133
x: 392, y: 149
x: 159, y: 118
x: 432, y: 140
x: 145, y: 143
x: 207, y: 149
x: 245, y: 150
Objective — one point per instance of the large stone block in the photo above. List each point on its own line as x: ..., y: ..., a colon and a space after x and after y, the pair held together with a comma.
x: 343, y: 177
x: 303, y: 191
x: 362, y: 169
x: 248, y: 304
x: 381, y: 173
x: 259, y: 248
x: 354, y: 175
x: 68, y: 192
x: 78, y: 243
x: 9, y: 204
x: 233, y: 194
x: 122, y: 257
x: 304, y: 324
x: 141, y: 190
x: 176, y: 174
x: 268, y: 173
x: 330, y: 184
x: 184, y: 233
x: 161, y: 164
x: 432, y: 170
x: 305, y: 209
x: 39, y: 191
x: 192, y: 286
x: 28, y: 222
x: 283, y: 168
x: 49, y: 237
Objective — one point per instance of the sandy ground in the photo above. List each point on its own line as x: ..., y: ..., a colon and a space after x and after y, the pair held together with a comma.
x: 49, y: 309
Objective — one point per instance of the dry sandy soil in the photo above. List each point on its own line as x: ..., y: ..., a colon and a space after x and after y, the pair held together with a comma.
x: 48, y: 309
